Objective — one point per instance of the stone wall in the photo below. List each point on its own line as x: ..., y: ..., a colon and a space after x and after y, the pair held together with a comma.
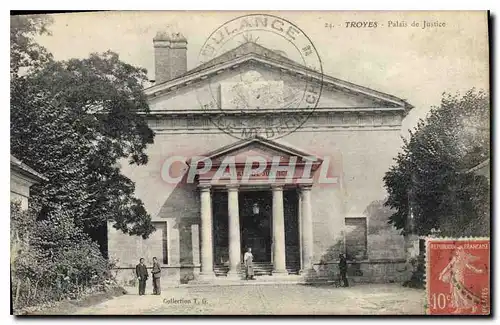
x: 360, y: 160
x: 386, y: 244
x: 374, y: 271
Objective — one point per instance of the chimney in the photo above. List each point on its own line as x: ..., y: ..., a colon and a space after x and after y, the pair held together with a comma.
x: 170, y: 56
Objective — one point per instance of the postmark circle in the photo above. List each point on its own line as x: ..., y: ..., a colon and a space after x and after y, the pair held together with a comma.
x: 264, y: 77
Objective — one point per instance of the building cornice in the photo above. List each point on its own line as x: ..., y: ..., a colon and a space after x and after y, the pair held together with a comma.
x: 28, y: 173
x: 216, y: 112
x: 318, y: 120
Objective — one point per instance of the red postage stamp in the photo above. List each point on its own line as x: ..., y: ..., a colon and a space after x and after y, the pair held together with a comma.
x: 458, y: 276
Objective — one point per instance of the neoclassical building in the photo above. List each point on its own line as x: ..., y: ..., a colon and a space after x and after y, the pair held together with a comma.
x: 296, y: 222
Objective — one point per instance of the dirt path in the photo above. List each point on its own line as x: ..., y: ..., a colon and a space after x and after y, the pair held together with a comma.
x: 268, y: 299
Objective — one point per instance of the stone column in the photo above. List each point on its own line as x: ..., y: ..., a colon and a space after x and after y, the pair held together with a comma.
x: 306, y: 227
x: 234, y: 231
x: 195, y: 244
x: 279, y: 262
x: 207, y: 259
x: 299, y: 221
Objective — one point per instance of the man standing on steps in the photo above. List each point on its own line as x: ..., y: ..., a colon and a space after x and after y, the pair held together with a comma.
x: 248, y: 259
x: 142, y: 275
x: 156, y: 272
x: 343, y: 269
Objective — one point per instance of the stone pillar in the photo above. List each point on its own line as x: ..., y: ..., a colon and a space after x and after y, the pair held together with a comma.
x: 173, y: 272
x: 195, y: 244
x: 306, y: 227
x: 411, y: 253
x: 207, y: 259
x: 279, y: 262
x: 234, y: 231
x: 299, y: 221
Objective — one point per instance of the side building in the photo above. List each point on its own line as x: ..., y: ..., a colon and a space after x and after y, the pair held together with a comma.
x: 22, y: 177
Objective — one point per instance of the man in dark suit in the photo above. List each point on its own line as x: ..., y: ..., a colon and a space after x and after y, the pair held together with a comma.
x: 142, y: 275
x: 156, y: 272
x: 343, y: 269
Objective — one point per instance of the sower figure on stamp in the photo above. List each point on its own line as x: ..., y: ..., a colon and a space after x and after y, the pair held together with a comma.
x: 156, y: 273
x: 142, y: 275
x: 248, y: 259
x: 454, y: 273
x: 343, y: 269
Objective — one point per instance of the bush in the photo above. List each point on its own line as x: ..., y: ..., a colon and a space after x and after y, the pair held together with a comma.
x: 417, y: 279
x: 52, y: 259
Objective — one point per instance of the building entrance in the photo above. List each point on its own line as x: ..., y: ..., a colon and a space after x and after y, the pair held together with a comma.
x: 255, y: 209
x: 255, y: 223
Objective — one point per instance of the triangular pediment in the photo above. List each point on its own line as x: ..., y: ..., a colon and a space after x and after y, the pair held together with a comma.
x: 241, y: 51
x: 260, y: 147
x: 335, y: 92
x: 255, y: 161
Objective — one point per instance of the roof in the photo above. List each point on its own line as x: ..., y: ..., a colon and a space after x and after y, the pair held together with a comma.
x: 242, y: 50
x: 18, y: 165
x: 253, y: 53
x: 272, y: 144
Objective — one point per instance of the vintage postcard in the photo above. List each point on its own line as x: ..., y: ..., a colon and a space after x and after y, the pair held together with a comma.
x: 250, y: 163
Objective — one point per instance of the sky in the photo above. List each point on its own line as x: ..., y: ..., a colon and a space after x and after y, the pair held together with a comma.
x: 414, y: 63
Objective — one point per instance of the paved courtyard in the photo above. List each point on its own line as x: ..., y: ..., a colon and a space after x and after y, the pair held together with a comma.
x: 284, y: 299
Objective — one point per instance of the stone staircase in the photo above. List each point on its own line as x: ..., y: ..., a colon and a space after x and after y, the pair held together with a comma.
x: 260, y: 269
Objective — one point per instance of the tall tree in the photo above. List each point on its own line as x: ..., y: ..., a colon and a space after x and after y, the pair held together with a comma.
x: 430, y: 175
x: 74, y: 121
x: 25, y: 53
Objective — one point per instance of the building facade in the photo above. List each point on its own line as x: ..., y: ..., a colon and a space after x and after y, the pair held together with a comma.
x: 297, y: 221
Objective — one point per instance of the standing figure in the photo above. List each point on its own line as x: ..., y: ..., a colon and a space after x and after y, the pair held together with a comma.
x: 454, y: 274
x: 156, y: 273
x: 248, y: 259
x: 142, y: 275
x: 343, y: 269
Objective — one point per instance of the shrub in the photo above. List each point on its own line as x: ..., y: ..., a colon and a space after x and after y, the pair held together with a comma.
x: 52, y: 259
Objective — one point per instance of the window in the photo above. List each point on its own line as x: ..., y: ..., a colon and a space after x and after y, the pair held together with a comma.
x: 356, y: 238
x: 165, y: 243
x: 157, y: 243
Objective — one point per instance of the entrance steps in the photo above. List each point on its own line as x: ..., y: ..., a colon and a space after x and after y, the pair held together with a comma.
x: 260, y: 269
x: 259, y: 280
